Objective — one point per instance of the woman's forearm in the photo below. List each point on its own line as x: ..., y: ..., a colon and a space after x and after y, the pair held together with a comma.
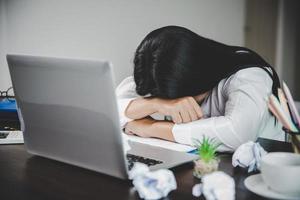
x: 148, y: 127
x: 162, y: 130
x: 140, y: 108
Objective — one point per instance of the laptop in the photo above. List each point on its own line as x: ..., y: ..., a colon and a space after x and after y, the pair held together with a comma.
x: 69, y: 113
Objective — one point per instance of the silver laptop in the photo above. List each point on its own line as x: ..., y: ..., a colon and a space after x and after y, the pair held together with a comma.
x: 70, y: 114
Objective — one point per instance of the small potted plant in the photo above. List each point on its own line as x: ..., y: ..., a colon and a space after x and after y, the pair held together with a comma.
x: 208, y: 161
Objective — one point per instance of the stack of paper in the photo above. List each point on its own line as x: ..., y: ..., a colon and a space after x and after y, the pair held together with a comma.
x: 159, y: 143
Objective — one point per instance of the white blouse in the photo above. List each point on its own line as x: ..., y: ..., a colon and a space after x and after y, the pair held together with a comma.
x: 235, y: 111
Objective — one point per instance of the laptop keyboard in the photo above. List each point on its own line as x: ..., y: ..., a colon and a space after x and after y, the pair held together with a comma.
x: 134, y: 158
x: 3, y: 135
x: 11, y: 137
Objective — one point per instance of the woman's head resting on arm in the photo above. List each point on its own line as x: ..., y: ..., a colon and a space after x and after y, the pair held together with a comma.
x: 173, y: 62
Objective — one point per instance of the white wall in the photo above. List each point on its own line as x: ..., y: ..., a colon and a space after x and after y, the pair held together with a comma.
x: 4, y: 77
x: 111, y: 29
x: 288, y: 44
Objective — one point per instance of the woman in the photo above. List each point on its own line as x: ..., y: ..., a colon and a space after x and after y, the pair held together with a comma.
x: 185, y: 87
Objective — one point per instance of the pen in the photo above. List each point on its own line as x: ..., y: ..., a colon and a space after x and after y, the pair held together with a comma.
x: 278, y: 117
x: 281, y: 114
x: 275, y: 113
x: 283, y: 103
x: 295, y: 114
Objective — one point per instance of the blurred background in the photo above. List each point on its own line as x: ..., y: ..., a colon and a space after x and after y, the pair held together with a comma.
x: 112, y: 29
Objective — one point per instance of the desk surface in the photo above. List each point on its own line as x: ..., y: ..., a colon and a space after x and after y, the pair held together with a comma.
x: 23, y: 176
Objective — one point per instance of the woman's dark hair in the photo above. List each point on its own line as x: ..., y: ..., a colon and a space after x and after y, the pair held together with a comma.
x: 173, y: 62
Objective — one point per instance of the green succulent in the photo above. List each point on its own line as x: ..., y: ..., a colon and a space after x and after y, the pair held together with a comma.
x: 206, y: 149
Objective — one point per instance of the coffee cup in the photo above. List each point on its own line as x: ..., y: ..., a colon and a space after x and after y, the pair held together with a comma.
x: 281, y: 172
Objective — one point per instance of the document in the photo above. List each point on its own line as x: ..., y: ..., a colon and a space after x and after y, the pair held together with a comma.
x: 159, y: 143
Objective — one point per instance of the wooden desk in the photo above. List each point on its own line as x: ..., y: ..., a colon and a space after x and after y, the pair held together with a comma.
x: 23, y: 176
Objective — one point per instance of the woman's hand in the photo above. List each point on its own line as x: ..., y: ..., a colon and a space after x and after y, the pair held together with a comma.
x: 182, y: 110
x: 148, y: 127
x: 140, y: 127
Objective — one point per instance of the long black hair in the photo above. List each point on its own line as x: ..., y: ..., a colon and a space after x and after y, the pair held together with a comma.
x: 173, y: 62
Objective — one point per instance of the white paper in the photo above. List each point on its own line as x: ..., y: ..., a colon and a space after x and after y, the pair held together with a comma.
x: 152, y: 184
x: 215, y: 186
x: 248, y: 155
x: 218, y: 186
x: 126, y: 145
x: 160, y: 143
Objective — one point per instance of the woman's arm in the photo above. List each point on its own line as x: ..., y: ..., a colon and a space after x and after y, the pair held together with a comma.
x: 125, y: 93
x: 181, y: 110
x: 244, y: 117
x: 149, y: 127
x: 133, y: 106
x: 140, y: 108
x: 241, y: 122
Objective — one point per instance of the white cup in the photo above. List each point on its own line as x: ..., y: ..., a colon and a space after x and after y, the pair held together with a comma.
x: 281, y: 172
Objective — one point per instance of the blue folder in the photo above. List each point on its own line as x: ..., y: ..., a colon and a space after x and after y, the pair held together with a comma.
x: 8, y: 105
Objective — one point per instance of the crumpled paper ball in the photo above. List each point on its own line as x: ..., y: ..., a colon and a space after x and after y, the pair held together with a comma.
x: 152, y: 184
x: 216, y: 186
x: 248, y: 155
